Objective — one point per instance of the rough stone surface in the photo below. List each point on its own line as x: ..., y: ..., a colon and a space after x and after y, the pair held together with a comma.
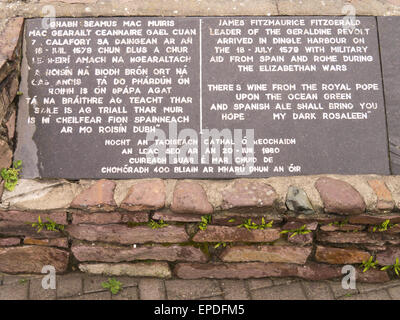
x: 31, y: 259
x: 193, y: 289
x: 389, y: 256
x: 6, y: 242
x: 31, y: 195
x: 280, y: 293
x: 232, y: 234
x: 5, y: 154
x: 140, y: 269
x: 286, y: 254
x: 58, y: 242
x: 10, y: 124
x: 24, y: 216
x: 151, y: 289
x: 98, y: 197
x: 248, y: 194
x: 135, y: 217
x: 346, y: 227
x: 190, y: 197
x: 311, y: 271
x: 96, y: 218
x: 146, y: 195
x: 354, y: 238
x: 178, y: 217
x: 125, y: 235
x: 297, y: 200
x: 339, y: 197
x: 121, y: 254
x: 340, y: 256
x: 15, y: 228
x: 385, y: 200
x: 368, y: 219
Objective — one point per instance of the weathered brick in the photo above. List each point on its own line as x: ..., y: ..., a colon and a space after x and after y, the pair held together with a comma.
x: 146, y: 195
x: 120, y: 254
x: 385, y: 200
x: 190, y: 197
x: 310, y: 271
x: 288, y: 292
x: 340, y: 256
x: 234, y: 290
x: 151, y: 289
x: 234, y: 234
x: 98, y: 197
x: 139, y: 269
x: 339, y: 197
x: 289, y: 254
x: 31, y: 259
x: 126, y: 235
x: 248, y: 194
x: 192, y: 289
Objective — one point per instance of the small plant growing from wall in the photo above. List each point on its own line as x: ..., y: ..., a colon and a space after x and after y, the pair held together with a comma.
x: 302, y: 230
x: 113, y: 285
x: 11, y: 175
x: 251, y: 225
x: 339, y: 223
x: 369, y: 264
x: 50, y: 225
x: 157, y: 225
x: 395, y: 267
x: 384, y: 226
x: 205, y: 220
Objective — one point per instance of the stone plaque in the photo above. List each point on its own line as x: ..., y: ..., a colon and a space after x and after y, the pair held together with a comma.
x: 211, y: 97
x: 389, y: 40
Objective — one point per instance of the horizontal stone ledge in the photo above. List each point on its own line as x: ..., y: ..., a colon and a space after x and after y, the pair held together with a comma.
x: 340, y: 255
x: 109, y: 217
x: 29, y: 216
x: 85, y: 253
x: 247, y: 270
x: 357, y: 238
x: 347, y: 195
x: 140, y: 269
x: 235, y: 234
x: 21, y: 229
x: 122, y: 234
x: 31, y: 259
x: 287, y: 254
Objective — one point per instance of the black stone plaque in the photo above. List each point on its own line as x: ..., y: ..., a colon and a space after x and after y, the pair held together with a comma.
x: 201, y: 97
x: 389, y: 40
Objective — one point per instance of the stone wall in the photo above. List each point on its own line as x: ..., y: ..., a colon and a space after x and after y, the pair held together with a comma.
x: 107, y: 230
x: 108, y: 226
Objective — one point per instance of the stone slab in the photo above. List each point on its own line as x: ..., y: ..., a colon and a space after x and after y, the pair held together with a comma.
x: 207, y: 85
x: 389, y: 40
